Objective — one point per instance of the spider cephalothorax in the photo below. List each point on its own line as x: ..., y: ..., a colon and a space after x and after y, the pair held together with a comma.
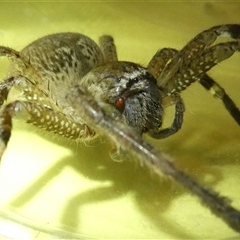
x: 74, y: 88
x: 131, y: 90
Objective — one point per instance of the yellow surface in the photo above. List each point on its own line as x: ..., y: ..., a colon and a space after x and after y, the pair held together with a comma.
x: 53, y: 184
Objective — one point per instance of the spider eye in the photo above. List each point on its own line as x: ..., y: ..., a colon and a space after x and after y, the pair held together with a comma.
x: 120, y: 104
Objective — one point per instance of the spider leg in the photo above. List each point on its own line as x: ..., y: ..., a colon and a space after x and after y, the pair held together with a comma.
x: 197, y: 69
x: 217, y: 91
x: 211, y: 57
x: 194, y: 49
x: 5, y: 87
x: 149, y: 156
x: 14, y: 55
x: 108, y: 48
x: 9, y: 52
x: 30, y: 91
x: 159, y: 61
x: 42, y: 117
x: 7, y: 84
x: 177, y: 122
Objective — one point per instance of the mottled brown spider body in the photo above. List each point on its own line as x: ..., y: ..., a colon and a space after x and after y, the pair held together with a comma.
x: 78, y: 90
x: 49, y: 66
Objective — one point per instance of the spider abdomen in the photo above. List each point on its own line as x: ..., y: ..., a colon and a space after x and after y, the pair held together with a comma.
x: 56, y: 62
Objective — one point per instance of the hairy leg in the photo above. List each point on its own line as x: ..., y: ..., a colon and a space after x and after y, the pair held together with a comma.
x: 217, y: 91
x: 159, y: 62
x: 177, y: 122
x: 42, y: 117
x: 149, y: 156
x: 108, y: 48
x: 196, y: 47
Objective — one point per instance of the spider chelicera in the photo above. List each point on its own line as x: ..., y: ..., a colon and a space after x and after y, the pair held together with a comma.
x: 74, y: 88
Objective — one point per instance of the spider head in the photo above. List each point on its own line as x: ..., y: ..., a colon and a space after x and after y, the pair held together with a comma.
x: 130, y: 91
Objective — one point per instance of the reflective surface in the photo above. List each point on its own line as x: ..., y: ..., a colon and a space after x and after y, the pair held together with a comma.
x: 68, y: 189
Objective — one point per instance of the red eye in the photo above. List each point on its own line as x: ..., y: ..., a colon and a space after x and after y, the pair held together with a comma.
x: 120, y: 104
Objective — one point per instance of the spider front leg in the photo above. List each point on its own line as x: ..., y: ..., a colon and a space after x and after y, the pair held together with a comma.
x: 211, y: 57
x: 177, y: 122
x: 192, y: 51
x: 42, y: 117
x: 159, y: 61
x: 193, y: 62
x: 149, y: 156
